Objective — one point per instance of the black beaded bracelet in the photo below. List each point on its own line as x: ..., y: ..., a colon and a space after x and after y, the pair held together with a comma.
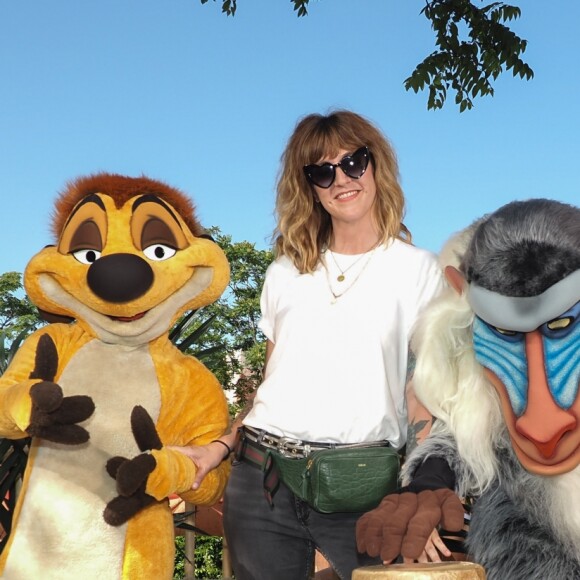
x: 225, y: 445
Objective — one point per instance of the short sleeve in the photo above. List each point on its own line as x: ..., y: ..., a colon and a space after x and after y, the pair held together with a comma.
x: 268, y: 304
x: 432, y: 283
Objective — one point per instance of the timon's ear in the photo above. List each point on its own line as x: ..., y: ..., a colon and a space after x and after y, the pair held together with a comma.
x: 455, y: 278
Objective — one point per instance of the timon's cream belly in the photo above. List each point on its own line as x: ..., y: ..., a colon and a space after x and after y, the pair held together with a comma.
x: 67, y: 533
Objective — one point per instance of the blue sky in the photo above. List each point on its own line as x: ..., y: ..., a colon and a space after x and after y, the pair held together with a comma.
x: 180, y: 92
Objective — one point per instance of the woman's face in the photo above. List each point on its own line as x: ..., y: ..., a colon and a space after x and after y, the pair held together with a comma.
x: 348, y: 200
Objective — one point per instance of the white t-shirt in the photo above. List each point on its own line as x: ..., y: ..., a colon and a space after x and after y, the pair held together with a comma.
x: 338, y: 368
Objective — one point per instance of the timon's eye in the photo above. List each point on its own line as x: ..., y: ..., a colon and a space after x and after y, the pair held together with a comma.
x: 86, y: 256
x: 159, y: 252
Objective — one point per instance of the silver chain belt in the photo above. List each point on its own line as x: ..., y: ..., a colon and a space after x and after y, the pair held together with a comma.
x: 297, y: 448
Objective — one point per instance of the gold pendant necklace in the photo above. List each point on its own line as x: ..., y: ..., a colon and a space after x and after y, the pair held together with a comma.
x: 337, y: 295
x: 341, y: 277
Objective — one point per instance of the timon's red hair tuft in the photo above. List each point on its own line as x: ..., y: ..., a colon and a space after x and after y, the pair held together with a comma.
x: 121, y: 188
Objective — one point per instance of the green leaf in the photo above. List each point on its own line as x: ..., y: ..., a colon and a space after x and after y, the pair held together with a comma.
x: 300, y: 7
x: 472, y: 43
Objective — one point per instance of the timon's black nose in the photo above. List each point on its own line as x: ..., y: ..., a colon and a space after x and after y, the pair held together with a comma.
x: 120, y: 277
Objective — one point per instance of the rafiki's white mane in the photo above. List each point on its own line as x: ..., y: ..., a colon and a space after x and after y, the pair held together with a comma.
x: 448, y: 379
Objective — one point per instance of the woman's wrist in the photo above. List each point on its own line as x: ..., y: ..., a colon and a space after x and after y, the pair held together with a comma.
x: 225, y: 446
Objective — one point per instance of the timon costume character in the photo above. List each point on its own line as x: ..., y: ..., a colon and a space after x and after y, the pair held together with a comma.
x: 102, y: 397
x: 498, y: 363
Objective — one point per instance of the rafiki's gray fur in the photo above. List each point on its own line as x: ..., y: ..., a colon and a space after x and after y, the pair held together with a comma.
x: 524, y: 526
x: 524, y: 248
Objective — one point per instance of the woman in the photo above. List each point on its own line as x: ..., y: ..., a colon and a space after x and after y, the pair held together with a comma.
x: 338, y: 307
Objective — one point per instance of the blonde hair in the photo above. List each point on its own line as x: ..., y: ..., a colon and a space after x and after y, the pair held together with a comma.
x: 304, y: 227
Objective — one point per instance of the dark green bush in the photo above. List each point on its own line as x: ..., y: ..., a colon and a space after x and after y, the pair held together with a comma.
x: 208, y: 557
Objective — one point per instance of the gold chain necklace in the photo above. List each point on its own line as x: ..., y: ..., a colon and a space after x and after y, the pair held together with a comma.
x: 341, y: 276
x: 337, y: 295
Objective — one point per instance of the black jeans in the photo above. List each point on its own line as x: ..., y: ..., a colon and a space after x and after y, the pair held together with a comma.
x: 278, y: 542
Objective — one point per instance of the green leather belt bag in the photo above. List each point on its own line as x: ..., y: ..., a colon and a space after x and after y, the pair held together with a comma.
x: 345, y: 479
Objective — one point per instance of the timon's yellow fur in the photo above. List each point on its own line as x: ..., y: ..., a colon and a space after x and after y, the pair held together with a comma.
x: 105, y: 392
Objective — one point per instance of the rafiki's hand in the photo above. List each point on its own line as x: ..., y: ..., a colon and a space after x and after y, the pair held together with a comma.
x: 404, y: 523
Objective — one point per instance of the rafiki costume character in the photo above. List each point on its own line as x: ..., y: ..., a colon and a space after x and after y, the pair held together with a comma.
x: 498, y: 362
x: 103, y: 396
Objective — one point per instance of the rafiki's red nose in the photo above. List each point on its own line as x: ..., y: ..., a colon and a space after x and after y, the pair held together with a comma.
x: 544, y: 423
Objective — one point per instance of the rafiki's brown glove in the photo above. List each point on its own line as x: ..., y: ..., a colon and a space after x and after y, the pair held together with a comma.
x: 402, y: 523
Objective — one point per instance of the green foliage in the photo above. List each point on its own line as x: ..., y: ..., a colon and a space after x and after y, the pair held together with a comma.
x: 9, y: 345
x: 13, y: 459
x: 13, y: 454
x: 208, y: 557
x: 188, y: 332
x: 300, y: 7
x: 465, y: 64
x: 468, y: 63
x: 18, y: 317
x: 229, y: 7
x: 16, y: 313
x: 226, y: 334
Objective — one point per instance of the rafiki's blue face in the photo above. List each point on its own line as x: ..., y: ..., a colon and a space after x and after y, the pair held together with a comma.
x: 537, y: 376
x: 504, y: 353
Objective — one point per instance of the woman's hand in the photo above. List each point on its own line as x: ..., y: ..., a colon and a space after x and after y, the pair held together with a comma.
x: 430, y: 553
x: 205, y: 458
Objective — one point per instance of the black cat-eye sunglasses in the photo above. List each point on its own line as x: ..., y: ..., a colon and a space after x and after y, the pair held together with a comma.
x: 353, y: 165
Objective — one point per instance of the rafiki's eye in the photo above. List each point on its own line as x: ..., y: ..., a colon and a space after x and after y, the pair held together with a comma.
x: 564, y: 324
x: 87, y: 256
x: 560, y: 323
x: 159, y: 252
x: 505, y: 332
